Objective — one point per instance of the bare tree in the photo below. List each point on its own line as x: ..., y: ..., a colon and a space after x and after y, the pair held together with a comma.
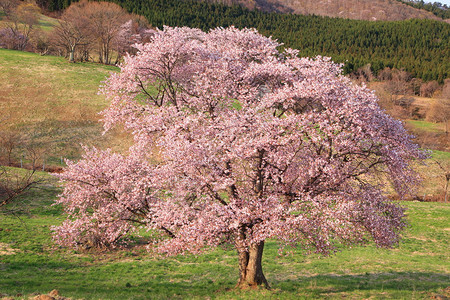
x: 21, y: 23
x: 399, y: 84
x: 365, y: 73
x: 427, y: 89
x: 440, y: 112
x: 14, y: 184
x: 105, y: 23
x: 43, y: 44
x: 85, y: 23
x: 446, y: 89
x: 415, y: 85
x: 447, y: 179
x: 385, y: 74
x: 73, y: 30
x: 9, y: 142
x: 440, y: 109
x: 8, y: 6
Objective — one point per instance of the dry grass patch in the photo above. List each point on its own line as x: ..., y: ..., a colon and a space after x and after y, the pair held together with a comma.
x: 55, y: 104
x: 5, y: 249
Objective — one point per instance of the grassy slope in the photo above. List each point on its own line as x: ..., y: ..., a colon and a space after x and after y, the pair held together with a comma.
x: 54, y: 101
x: 432, y: 134
x: 426, y: 126
x: 433, y: 177
x: 419, y: 268
x: 45, y: 23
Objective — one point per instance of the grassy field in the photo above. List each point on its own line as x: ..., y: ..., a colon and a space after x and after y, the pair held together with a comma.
x: 56, y: 103
x: 46, y: 23
x: 426, y: 126
x: 31, y: 264
x: 433, y: 177
x: 53, y: 102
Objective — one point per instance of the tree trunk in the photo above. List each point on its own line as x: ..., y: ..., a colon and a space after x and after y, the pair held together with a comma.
x: 250, y: 268
x: 72, y: 54
x: 447, y: 177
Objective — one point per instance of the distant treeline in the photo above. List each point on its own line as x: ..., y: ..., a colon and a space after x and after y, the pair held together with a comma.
x: 437, y: 8
x: 421, y: 47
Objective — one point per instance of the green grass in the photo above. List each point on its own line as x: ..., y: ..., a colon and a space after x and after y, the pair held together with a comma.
x: 442, y: 156
x: 426, y: 126
x: 431, y: 135
x: 418, y: 269
x: 46, y: 23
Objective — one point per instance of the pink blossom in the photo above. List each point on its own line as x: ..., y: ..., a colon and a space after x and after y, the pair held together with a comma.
x: 237, y: 142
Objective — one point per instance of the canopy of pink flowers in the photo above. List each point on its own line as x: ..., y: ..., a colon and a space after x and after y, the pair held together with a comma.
x: 237, y: 142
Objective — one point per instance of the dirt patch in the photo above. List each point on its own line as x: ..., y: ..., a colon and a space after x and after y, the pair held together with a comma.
x: 6, y: 250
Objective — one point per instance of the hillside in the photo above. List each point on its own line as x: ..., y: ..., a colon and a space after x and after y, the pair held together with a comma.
x: 418, y: 46
x: 388, y: 10
x: 51, y: 106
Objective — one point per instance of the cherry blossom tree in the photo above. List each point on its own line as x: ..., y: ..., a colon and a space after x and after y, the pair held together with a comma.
x: 237, y: 142
x: 131, y: 32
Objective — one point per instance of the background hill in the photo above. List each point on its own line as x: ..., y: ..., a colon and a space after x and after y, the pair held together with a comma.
x: 392, y: 10
x: 418, y: 46
x: 372, y: 10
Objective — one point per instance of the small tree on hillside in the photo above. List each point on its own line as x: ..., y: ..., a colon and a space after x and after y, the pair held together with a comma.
x: 8, y: 6
x: 440, y: 109
x: 236, y: 143
x: 105, y: 21
x: 72, y: 30
x: 20, y: 25
x: 15, y: 183
x: 427, y: 89
x: 399, y: 84
x: 10, y: 140
x: 99, y: 25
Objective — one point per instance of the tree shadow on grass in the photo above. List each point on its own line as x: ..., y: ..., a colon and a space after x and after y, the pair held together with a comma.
x: 122, y: 280
x: 322, y: 285
x: 170, y: 279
